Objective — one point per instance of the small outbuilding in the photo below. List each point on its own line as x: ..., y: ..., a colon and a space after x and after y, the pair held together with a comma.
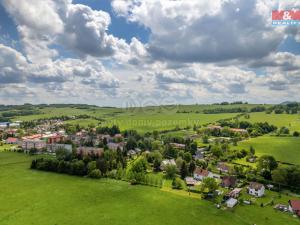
x: 230, y: 203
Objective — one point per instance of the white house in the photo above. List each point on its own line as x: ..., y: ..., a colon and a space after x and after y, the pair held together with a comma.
x: 230, y: 203
x: 256, y: 189
x: 166, y: 162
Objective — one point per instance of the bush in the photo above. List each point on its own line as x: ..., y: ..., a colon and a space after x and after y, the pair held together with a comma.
x: 296, y: 134
x: 96, y: 174
x: 171, y: 171
x: 177, y: 183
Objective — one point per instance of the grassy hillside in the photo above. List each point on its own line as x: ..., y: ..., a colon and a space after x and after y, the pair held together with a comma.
x: 35, y: 197
x: 141, y: 119
x: 285, y: 149
x: 292, y: 121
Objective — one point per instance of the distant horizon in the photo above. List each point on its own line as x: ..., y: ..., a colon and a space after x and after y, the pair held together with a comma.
x: 107, y: 106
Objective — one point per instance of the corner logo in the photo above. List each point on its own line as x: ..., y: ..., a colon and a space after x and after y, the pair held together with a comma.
x: 286, y: 17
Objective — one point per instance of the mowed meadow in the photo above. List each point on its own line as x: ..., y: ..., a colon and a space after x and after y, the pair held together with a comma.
x: 284, y: 149
x: 36, y: 197
x: 291, y: 121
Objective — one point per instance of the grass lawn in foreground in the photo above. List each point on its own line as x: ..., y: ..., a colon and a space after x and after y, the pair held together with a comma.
x: 284, y: 149
x: 35, y: 197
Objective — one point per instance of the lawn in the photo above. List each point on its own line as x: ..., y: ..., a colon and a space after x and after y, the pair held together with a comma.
x: 36, y: 197
x: 284, y: 149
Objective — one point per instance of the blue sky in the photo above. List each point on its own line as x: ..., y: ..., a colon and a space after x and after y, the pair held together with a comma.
x: 119, y: 26
x: 110, y: 52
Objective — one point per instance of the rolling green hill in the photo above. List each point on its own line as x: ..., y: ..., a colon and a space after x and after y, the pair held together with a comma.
x: 35, y: 197
x: 284, y: 149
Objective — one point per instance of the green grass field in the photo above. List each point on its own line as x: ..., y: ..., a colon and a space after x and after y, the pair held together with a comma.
x: 36, y: 197
x: 140, y: 119
x: 285, y: 149
x: 292, y: 121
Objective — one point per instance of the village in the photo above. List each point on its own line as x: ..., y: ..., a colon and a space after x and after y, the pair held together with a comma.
x: 192, y: 168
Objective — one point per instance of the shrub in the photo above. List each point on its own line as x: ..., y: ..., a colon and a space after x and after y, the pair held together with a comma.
x: 96, y: 174
x: 177, y: 183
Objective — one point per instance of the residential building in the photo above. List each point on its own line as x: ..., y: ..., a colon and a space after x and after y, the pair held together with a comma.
x: 115, y: 146
x: 177, y: 145
x: 235, y: 193
x: 37, y: 144
x: 190, y: 181
x: 167, y: 162
x: 222, y: 167
x: 11, y: 140
x: 54, y: 147
x: 200, y: 174
x: 228, y: 181
x: 294, y: 207
x: 89, y: 151
x: 256, y: 189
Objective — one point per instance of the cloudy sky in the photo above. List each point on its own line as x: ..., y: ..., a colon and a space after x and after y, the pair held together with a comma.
x: 147, y: 52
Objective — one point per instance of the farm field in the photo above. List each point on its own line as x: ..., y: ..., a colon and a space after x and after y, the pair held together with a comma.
x: 284, y: 149
x: 144, y: 122
x: 141, y: 119
x: 291, y: 121
x: 33, y: 197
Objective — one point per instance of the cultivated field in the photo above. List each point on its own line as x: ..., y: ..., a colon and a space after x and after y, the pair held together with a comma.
x: 35, y: 197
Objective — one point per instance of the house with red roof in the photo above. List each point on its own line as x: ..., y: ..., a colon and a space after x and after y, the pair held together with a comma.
x: 228, y: 181
x: 294, y: 206
x: 200, y: 174
x: 11, y: 140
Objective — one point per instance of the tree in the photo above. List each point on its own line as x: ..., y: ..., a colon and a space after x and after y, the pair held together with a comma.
x: 279, y: 175
x: 91, y: 166
x: 296, y: 134
x: 284, y: 130
x: 136, y: 172
x: 171, y: 171
x: 192, y: 167
x: 63, y: 154
x: 102, y: 166
x: 217, y: 151
x: 179, y: 162
x: 95, y: 173
x: 205, y: 139
x: 209, y: 185
x: 193, y: 148
x: 252, y: 150
x: 156, y: 165
x: 183, y: 170
x: 267, y: 162
x: 187, y: 157
x: 177, y: 183
x: 131, y: 143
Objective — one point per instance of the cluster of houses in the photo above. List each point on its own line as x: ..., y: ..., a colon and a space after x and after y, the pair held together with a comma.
x: 235, y: 130
x: 52, y: 141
